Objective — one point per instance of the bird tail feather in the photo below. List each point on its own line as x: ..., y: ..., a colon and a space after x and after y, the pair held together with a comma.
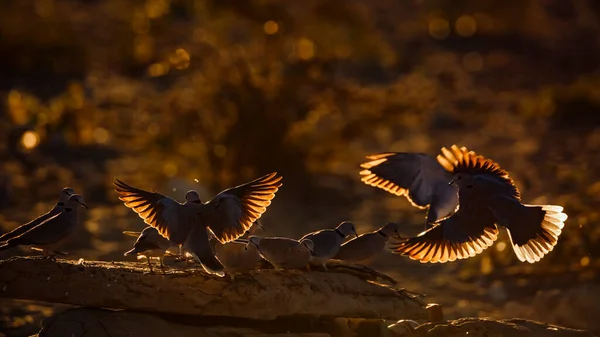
x: 130, y: 252
x: 210, y: 264
x: 533, y: 229
x: 5, y: 246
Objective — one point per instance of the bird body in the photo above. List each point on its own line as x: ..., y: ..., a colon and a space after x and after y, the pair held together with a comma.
x: 49, y: 234
x: 327, y: 242
x: 227, y: 216
x: 416, y: 176
x: 283, y: 253
x: 149, y: 244
x: 487, y: 198
x: 368, y: 245
x: 62, y: 199
x: 236, y: 257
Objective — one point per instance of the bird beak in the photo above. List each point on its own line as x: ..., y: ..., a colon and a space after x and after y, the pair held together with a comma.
x: 259, y: 225
x: 355, y: 234
x: 452, y: 182
x: 84, y: 205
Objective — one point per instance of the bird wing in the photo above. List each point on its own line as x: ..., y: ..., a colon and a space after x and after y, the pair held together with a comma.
x: 50, y: 231
x: 232, y: 212
x: 25, y: 227
x: 416, y: 176
x: 466, y: 233
x: 170, y: 218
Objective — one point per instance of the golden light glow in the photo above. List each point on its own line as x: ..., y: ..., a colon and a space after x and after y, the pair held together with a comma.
x: 101, y: 135
x: 30, y: 139
x: 158, y: 69
x: 270, y: 27
x: 585, y: 261
x: 439, y: 28
x: 500, y: 246
x: 156, y: 8
x: 465, y: 26
x: 170, y: 169
x: 472, y: 62
x: 305, y: 49
x: 180, y: 59
x: 44, y: 8
x: 143, y: 47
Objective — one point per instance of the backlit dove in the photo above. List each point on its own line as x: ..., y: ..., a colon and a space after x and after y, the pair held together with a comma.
x: 227, y: 216
x: 487, y: 197
x: 149, y: 244
x: 368, y: 245
x: 283, y: 253
x: 237, y: 256
x: 418, y: 177
x: 327, y: 242
x: 62, y: 199
x: 49, y: 234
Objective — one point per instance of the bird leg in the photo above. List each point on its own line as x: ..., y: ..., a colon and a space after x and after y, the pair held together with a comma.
x: 149, y: 264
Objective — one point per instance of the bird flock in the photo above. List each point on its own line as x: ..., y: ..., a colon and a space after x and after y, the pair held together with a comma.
x: 468, y: 198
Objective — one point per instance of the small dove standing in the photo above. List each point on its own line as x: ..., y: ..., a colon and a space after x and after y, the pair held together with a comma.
x: 149, y: 244
x: 62, y: 199
x: 227, y: 216
x: 487, y: 197
x: 283, y: 253
x: 327, y: 242
x: 49, y: 234
x: 237, y: 256
x: 368, y: 245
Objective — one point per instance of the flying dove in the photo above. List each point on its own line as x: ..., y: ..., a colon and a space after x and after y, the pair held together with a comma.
x: 283, y: 253
x: 50, y: 233
x: 227, y: 216
x: 367, y: 245
x: 327, y: 242
x: 62, y: 199
x: 488, y: 196
x: 418, y: 177
x: 149, y: 244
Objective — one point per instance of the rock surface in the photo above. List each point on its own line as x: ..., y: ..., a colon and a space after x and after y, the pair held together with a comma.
x: 264, y: 294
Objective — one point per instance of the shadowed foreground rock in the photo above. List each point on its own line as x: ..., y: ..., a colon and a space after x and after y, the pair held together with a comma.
x: 486, y: 327
x: 263, y: 295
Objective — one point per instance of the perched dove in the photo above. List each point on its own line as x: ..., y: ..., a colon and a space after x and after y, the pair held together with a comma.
x: 62, y: 199
x: 237, y: 256
x: 418, y: 177
x: 327, y: 242
x: 283, y: 253
x: 227, y: 216
x: 149, y: 244
x: 50, y: 233
x: 367, y: 245
x: 487, y: 197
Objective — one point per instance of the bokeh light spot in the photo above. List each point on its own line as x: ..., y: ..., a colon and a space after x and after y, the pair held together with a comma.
x: 305, y: 49
x: 271, y: 27
x: 501, y: 246
x: 158, y: 69
x: 30, y: 139
x: 101, y: 135
x: 439, y: 28
x: 180, y: 59
x: 585, y: 261
x: 465, y: 26
x: 472, y: 62
x: 170, y: 169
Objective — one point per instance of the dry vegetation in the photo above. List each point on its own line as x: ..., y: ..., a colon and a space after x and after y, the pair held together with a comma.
x: 179, y: 94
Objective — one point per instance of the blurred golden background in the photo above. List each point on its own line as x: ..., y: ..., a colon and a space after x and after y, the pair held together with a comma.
x: 178, y: 94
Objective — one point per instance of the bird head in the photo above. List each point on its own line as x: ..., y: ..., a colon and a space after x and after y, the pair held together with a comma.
x: 77, y: 199
x: 347, y: 228
x: 65, y: 194
x: 192, y: 196
x: 462, y: 180
x: 309, y: 244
